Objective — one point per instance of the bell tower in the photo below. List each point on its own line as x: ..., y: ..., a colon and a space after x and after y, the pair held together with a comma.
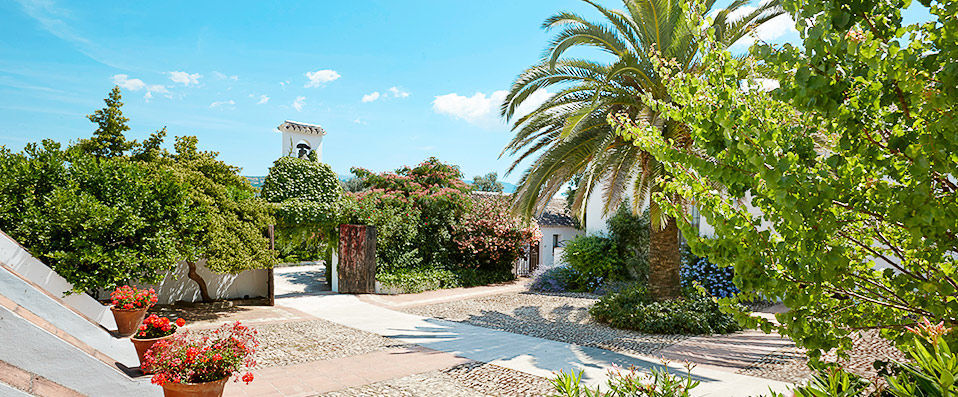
x: 299, y: 139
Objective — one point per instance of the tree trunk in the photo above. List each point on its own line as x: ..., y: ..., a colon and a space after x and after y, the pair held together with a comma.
x: 193, y: 275
x: 664, y: 261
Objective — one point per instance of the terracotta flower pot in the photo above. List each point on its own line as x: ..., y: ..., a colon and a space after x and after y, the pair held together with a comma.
x: 142, y: 345
x: 128, y: 320
x: 208, y: 389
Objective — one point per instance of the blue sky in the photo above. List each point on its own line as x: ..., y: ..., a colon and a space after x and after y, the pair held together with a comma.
x: 392, y: 82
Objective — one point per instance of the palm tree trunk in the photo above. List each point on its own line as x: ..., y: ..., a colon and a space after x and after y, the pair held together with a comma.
x: 664, y: 261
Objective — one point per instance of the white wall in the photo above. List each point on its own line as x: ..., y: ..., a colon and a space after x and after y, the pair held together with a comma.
x: 546, y: 250
x: 290, y: 139
x: 21, y: 262
x: 178, y: 287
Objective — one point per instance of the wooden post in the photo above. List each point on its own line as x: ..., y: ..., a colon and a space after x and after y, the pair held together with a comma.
x: 270, y: 286
x: 357, y: 259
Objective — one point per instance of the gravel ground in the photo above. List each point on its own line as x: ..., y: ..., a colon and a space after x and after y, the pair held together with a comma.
x: 288, y: 343
x: 559, y: 317
x: 466, y: 380
x: 789, y: 365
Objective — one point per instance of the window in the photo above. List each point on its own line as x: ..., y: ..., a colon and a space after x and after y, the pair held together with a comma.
x: 555, y: 241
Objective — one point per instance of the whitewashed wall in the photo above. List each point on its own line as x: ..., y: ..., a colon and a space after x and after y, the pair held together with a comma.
x: 24, y: 264
x: 546, y: 250
x: 178, y: 287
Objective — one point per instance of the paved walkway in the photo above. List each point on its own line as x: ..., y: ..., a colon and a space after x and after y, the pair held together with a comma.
x: 527, y: 354
x: 329, y: 375
x: 444, y: 295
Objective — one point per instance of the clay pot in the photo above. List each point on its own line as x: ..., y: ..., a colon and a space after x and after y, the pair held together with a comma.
x: 142, y: 345
x: 208, y: 389
x: 128, y: 320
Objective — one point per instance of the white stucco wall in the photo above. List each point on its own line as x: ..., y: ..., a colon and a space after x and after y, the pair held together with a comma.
x: 20, y: 261
x: 178, y: 287
x: 547, y: 250
x: 291, y: 139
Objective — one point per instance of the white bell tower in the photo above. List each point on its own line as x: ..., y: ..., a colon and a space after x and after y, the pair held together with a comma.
x: 299, y: 139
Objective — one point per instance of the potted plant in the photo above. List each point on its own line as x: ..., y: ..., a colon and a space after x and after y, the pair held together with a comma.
x: 189, y: 364
x: 153, y: 329
x: 129, y: 307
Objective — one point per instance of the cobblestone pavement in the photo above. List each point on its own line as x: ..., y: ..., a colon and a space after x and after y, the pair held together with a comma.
x: 559, y: 317
x: 298, y: 342
x: 466, y: 380
x: 789, y: 365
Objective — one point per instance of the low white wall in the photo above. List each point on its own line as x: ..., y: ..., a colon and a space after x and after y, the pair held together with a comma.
x: 24, y: 264
x: 178, y: 287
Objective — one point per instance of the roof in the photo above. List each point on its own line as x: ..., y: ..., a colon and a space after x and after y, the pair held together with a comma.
x: 303, y: 128
x: 556, y: 214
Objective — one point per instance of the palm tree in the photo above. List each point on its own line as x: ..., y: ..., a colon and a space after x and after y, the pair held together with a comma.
x: 570, y: 133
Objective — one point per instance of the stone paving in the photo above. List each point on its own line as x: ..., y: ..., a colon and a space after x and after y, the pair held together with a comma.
x: 558, y: 317
x: 531, y: 355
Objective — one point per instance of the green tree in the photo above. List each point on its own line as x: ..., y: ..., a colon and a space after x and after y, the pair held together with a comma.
x: 839, y: 195
x: 570, y: 133
x: 98, y: 222
x: 108, y: 140
x: 487, y: 183
x: 229, y: 229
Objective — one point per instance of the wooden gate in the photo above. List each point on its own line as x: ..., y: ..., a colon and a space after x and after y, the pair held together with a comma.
x: 357, y: 259
x: 533, y: 257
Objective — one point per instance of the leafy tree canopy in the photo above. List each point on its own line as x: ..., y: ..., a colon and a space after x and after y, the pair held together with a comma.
x: 848, y: 168
x: 487, y: 183
x: 108, y: 140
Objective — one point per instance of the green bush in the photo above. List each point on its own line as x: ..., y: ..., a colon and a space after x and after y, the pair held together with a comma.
x: 98, y: 222
x: 595, y: 260
x: 425, y: 278
x: 633, y: 308
x: 630, y: 233
x: 296, y: 178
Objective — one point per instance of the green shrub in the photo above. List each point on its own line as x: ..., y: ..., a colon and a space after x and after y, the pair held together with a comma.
x: 630, y: 233
x: 595, y: 260
x: 426, y: 278
x: 633, y: 308
x: 296, y: 178
x: 556, y: 279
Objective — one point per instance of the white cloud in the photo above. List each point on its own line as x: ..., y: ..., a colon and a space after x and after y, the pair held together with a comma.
x: 359, y: 121
x: 187, y: 79
x: 125, y: 82
x: 769, y: 31
x: 222, y: 103
x: 262, y: 99
x: 223, y: 76
x: 427, y: 148
x: 474, y: 109
x: 398, y: 93
x: 371, y: 96
x: 321, y: 77
x: 299, y: 103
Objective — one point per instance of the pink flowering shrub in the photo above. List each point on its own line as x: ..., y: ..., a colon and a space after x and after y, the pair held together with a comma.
x: 414, y: 209
x: 490, y: 237
x: 130, y: 298
x: 197, y: 358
